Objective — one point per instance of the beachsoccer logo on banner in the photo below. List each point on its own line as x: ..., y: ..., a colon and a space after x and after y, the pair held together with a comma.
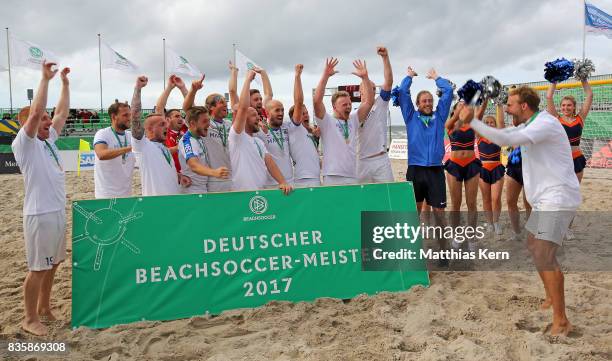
x: 258, y: 206
x: 36, y: 52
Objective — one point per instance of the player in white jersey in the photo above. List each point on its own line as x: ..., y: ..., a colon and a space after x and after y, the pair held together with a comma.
x: 373, y: 164
x: 217, y: 135
x: 114, y: 162
x: 551, y: 187
x: 339, y: 131
x: 303, y: 145
x: 251, y: 163
x: 194, y: 153
x: 44, y: 212
x: 157, y: 172
x: 275, y: 135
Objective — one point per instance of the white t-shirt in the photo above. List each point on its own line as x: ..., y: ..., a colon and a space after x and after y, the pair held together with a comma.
x: 548, y: 168
x: 304, y: 153
x: 113, y: 177
x: 247, y: 154
x: 157, y: 173
x: 43, y: 173
x: 277, y: 143
x: 216, y: 142
x: 339, y: 158
x: 194, y: 147
x: 371, y: 137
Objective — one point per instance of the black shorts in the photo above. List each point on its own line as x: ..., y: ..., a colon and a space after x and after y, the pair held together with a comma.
x: 579, y: 163
x: 429, y: 184
x: 463, y: 173
x: 492, y: 176
x: 515, y: 172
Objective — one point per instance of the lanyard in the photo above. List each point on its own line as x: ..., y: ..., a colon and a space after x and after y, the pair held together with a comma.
x: 202, y: 145
x: 165, y: 152
x: 53, y: 154
x: 121, y: 145
x: 258, y: 148
x: 281, y: 142
x: 532, y: 118
x: 314, y: 142
x: 345, y: 130
x: 223, y: 135
x: 425, y: 119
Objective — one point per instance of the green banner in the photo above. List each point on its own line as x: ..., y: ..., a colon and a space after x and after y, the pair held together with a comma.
x: 164, y: 258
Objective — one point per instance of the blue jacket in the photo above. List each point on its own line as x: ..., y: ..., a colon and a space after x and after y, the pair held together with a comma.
x: 425, y: 142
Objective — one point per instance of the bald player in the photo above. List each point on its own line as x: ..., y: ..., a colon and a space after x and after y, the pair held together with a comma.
x: 44, y: 201
x: 157, y: 172
x: 275, y: 135
x: 251, y: 162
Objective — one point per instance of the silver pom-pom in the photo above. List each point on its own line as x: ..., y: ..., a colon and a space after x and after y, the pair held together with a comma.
x: 583, y: 69
x: 502, y: 97
x: 453, y: 85
x: 490, y: 87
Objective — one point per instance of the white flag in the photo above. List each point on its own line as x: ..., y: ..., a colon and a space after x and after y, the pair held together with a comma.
x: 177, y: 64
x: 24, y: 53
x: 113, y: 60
x: 245, y: 64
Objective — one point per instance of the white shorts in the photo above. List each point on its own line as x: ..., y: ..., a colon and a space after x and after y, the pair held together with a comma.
x: 45, y: 239
x: 307, y: 183
x: 225, y: 186
x: 550, y: 223
x: 337, y: 180
x: 375, y: 169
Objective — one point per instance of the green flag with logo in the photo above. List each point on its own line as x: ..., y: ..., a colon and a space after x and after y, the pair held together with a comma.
x: 170, y: 257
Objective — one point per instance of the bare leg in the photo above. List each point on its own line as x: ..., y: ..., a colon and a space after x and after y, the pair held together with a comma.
x: 440, y: 222
x: 471, y: 193
x: 454, y: 188
x: 531, y: 247
x: 544, y: 255
x: 44, y: 308
x: 513, y: 190
x: 487, y: 204
x: 496, y: 194
x: 31, y: 292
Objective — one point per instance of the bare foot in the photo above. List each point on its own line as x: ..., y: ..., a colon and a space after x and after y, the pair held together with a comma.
x: 46, y: 314
x: 546, y: 304
x: 35, y: 328
x: 562, y: 329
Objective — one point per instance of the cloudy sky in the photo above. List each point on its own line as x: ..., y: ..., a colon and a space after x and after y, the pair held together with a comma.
x: 509, y: 39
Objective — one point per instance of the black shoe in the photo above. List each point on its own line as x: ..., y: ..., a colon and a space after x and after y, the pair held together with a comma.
x: 443, y: 263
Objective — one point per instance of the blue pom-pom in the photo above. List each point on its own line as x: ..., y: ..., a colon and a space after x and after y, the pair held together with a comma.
x: 558, y: 70
x: 515, y: 156
x: 395, y: 96
x: 469, y: 90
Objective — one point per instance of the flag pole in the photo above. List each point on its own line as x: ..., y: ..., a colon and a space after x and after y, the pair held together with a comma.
x: 584, y: 30
x: 8, y: 53
x: 100, y: 69
x: 164, y: 41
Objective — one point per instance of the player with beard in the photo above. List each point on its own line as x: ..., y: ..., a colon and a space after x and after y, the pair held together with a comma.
x: 373, y: 164
x: 217, y: 135
x: 157, y: 172
x: 551, y: 187
x: 114, y: 162
x: 275, y: 136
x: 303, y: 146
x: 425, y: 132
x: 174, y: 119
x: 339, y: 131
x: 251, y: 162
x: 44, y: 199
x: 194, y: 153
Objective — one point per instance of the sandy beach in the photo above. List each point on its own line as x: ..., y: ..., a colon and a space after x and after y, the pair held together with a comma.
x: 461, y: 316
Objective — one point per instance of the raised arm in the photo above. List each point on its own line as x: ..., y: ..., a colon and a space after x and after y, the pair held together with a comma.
x: 550, y: 102
x: 367, y: 97
x: 190, y: 97
x: 62, y: 109
x: 444, y: 103
x: 404, y: 98
x: 588, y: 99
x: 388, y: 72
x: 244, y: 103
x: 160, y: 106
x: 317, y: 100
x: 137, y: 128
x: 502, y: 137
x: 480, y: 110
x: 499, y: 116
x: 450, y: 123
x: 267, y: 87
x: 39, y: 104
x: 298, y: 96
x: 233, y: 85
